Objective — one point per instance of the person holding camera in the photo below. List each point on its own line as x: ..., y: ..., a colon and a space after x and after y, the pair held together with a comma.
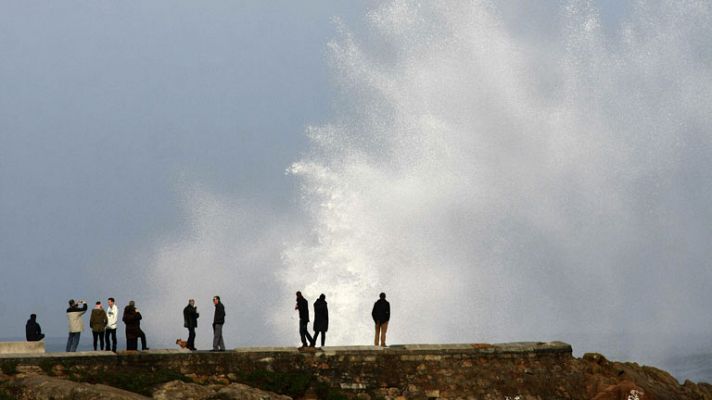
x: 74, y: 316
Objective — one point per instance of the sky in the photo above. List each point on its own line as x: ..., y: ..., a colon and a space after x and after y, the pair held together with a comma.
x: 504, y: 171
x: 106, y: 109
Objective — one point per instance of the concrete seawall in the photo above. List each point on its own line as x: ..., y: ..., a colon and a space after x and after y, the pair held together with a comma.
x: 22, y: 347
x: 414, y: 371
x: 529, y: 370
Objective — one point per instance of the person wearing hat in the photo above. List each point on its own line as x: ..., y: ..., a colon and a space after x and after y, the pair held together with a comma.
x: 76, y: 324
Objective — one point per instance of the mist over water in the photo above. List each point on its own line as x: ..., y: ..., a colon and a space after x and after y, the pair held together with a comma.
x: 503, y: 171
x: 508, y: 179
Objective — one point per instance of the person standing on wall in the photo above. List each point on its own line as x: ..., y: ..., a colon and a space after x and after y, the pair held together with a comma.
x: 141, y: 334
x: 218, y: 322
x: 76, y: 325
x: 321, y: 320
x: 190, y: 321
x: 381, y: 314
x: 303, y: 307
x: 97, y: 324
x: 132, y: 319
x: 33, y: 330
x: 112, y: 318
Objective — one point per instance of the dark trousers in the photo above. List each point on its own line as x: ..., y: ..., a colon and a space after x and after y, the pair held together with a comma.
x: 100, y: 336
x: 132, y: 344
x: 304, y: 333
x: 191, y: 338
x: 142, y: 336
x: 111, y: 338
x: 218, y: 342
x: 316, y: 335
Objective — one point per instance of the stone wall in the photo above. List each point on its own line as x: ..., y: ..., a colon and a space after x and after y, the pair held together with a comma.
x: 504, y: 371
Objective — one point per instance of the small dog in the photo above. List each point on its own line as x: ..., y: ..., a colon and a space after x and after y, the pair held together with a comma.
x: 182, y: 343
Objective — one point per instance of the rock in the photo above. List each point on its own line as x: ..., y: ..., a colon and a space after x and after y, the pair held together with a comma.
x: 239, y: 391
x: 40, y: 387
x: 595, y: 358
x: 625, y: 390
x: 28, y: 370
x: 177, y: 390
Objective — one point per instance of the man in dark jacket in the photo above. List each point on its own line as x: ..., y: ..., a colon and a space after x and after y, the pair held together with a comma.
x: 321, y: 320
x: 303, y: 307
x: 190, y: 321
x: 33, y: 331
x: 218, y: 322
x: 381, y: 314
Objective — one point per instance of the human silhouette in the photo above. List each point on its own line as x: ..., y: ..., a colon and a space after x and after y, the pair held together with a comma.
x: 218, y: 322
x: 190, y: 321
x: 303, y: 307
x: 321, y: 320
x: 381, y: 314
x: 132, y: 319
x: 33, y: 330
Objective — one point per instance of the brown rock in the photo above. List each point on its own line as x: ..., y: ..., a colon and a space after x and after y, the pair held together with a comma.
x: 625, y: 390
x: 239, y: 391
x: 40, y: 387
x: 177, y: 390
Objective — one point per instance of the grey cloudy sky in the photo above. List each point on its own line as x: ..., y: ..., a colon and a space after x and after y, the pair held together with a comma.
x: 105, y: 107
